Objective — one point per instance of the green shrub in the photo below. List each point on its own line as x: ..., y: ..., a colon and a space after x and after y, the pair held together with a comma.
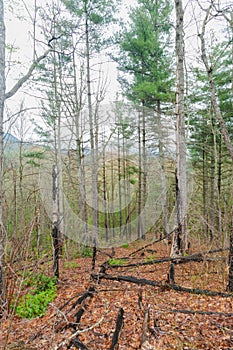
x: 116, y: 262
x: 150, y: 258
x: 35, y: 302
x: 70, y: 264
x: 125, y: 245
x: 86, y: 252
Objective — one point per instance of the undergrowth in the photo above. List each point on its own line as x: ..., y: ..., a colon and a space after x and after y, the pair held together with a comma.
x: 35, y: 302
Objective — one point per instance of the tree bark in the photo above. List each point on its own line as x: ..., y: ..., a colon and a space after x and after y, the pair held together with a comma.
x: 179, y: 243
x: 162, y: 171
x: 92, y: 136
x: 55, y: 229
x: 2, y: 101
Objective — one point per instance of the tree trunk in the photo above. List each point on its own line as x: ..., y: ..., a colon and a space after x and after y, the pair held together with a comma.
x: 180, y: 235
x: 2, y: 100
x: 162, y: 171
x: 223, y: 128
x: 79, y: 156
x: 144, y: 177
x: 55, y: 229
x: 119, y: 176
x: 139, y: 177
x: 92, y: 136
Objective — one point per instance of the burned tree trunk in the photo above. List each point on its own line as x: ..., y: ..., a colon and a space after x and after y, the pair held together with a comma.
x: 55, y: 229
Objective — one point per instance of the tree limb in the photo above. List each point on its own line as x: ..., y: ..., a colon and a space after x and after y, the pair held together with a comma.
x: 21, y: 81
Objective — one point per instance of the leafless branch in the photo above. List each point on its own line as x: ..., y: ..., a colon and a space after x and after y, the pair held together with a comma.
x: 23, y: 80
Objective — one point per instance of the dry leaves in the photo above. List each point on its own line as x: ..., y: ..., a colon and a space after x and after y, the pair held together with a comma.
x: 177, y: 320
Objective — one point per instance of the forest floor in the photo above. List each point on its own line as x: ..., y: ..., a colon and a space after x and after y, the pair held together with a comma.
x: 117, y: 308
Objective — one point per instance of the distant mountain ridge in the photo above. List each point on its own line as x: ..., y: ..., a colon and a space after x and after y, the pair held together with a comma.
x: 9, y: 138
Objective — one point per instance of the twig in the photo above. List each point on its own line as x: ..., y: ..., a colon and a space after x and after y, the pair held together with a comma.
x: 74, y: 335
x: 151, y: 243
x: 60, y: 312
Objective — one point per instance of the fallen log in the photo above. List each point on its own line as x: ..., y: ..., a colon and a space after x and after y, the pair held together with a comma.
x: 163, y: 286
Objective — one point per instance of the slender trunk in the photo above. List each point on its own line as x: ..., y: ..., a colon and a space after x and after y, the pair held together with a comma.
x: 144, y: 174
x: 112, y: 196
x: 179, y: 244
x: 212, y: 189
x: 105, y: 195
x: 230, y: 277
x: 22, y: 213
x: 219, y: 184
x: 15, y: 221
x: 119, y: 177
x: 205, y: 190
x: 2, y: 101
x: 92, y: 136
x: 57, y: 134
x: 55, y: 228
x: 162, y: 172
x: 79, y: 157
x: 139, y: 176
x: 223, y: 128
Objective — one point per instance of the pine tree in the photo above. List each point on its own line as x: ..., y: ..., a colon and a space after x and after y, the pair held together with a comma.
x: 146, y: 79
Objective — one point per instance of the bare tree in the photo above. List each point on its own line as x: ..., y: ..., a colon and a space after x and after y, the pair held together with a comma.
x: 223, y: 128
x: 3, y: 96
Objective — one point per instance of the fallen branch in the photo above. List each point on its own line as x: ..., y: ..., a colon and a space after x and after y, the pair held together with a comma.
x: 145, y: 328
x: 151, y: 243
x: 194, y: 312
x: 78, y: 315
x: 75, y: 334
x: 88, y: 293
x: 180, y: 260
x: 78, y: 344
x: 163, y: 286
x: 119, y: 325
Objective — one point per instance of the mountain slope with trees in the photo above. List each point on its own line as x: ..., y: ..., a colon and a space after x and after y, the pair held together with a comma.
x: 116, y: 226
